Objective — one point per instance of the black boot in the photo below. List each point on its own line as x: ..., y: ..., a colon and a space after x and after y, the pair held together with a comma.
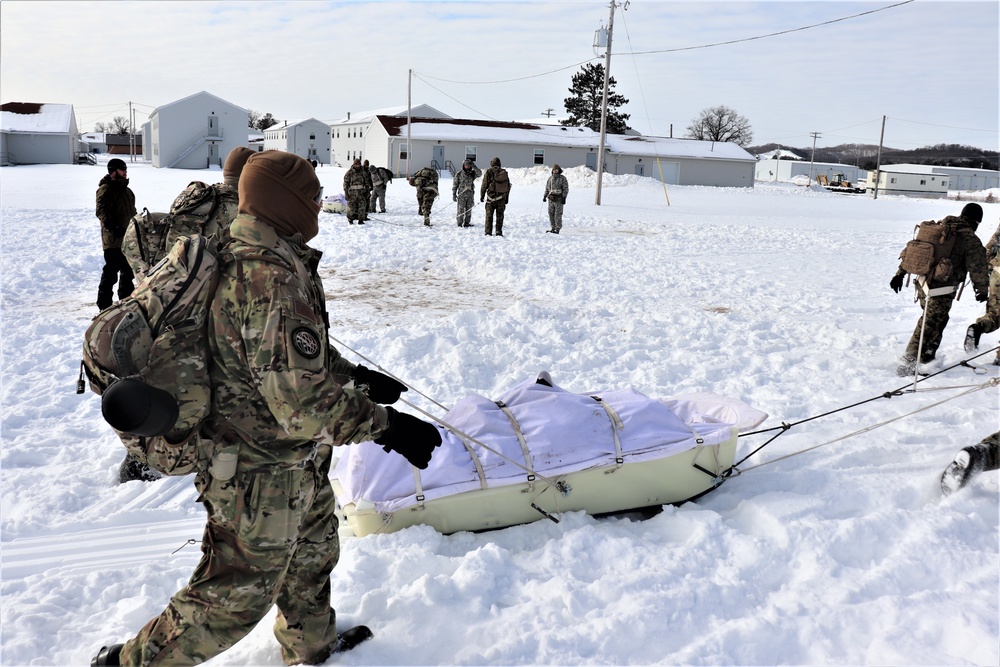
x: 967, y: 464
x: 108, y: 655
x: 972, y: 336
x: 351, y: 637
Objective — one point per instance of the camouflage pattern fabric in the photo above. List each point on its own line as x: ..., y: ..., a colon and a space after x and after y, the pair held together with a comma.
x: 937, y: 316
x: 498, y: 208
x: 426, y: 183
x: 463, y: 191
x: 556, y: 191
x: 356, y: 190
x: 378, y: 191
x: 967, y: 256
x: 271, y: 537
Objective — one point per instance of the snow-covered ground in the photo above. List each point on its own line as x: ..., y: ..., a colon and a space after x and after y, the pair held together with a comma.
x: 777, y: 295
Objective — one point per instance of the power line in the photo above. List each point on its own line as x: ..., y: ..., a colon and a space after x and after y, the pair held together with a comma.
x: 774, y: 34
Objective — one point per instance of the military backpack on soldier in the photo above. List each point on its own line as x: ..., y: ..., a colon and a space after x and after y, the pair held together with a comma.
x: 148, y: 357
x: 385, y: 175
x: 149, y: 236
x: 929, y: 252
x: 501, y: 182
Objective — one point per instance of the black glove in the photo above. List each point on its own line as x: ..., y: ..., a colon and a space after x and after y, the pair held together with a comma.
x: 413, y: 438
x: 544, y: 197
x: 896, y: 283
x: 981, y: 296
x: 380, y: 387
x: 482, y: 199
x: 454, y: 197
x: 563, y: 202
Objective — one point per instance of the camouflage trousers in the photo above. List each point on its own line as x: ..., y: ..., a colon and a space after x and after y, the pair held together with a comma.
x: 991, y: 320
x: 498, y: 208
x: 271, y: 539
x: 933, y: 323
x: 463, y: 208
x: 555, y: 214
x: 357, y: 205
x: 425, y: 199
x: 377, y: 197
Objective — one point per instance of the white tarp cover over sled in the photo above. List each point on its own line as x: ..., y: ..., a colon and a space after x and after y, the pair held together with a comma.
x: 562, y: 432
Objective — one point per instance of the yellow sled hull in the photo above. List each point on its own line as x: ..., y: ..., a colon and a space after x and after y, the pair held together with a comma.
x: 670, y: 480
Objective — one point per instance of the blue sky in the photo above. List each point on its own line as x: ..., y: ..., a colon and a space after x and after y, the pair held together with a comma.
x: 930, y: 67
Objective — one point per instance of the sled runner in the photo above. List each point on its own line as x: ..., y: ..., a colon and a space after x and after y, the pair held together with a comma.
x: 540, y: 450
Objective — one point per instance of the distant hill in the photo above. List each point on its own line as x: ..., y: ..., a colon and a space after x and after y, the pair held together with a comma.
x: 864, y: 155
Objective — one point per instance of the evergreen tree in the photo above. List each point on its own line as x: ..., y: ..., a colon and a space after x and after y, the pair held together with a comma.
x: 587, y: 94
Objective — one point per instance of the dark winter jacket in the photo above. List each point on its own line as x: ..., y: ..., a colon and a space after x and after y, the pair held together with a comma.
x: 115, y: 207
x: 968, y: 256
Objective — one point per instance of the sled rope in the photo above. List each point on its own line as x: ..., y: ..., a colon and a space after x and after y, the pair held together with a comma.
x: 905, y: 389
x: 994, y: 382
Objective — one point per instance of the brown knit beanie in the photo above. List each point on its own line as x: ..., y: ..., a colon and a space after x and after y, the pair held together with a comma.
x: 280, y: 189
x: 234, y: 165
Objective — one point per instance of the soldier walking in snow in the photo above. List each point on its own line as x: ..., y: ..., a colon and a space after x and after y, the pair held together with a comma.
x: 463, y: 191
x: 967, y: 256
x: 556, y: 191
x: 115, y: 207
x: 495, y: 191
x: 356, y: 190
x: 271, y: 533
x: 426, y: 183
x: 380, y: 179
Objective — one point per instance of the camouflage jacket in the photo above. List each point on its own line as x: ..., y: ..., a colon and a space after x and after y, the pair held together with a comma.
x: 425, y: 179
x: 993, y: 248
x: 356, y: 182
x: 558, y: 186
x: 968, y: 256
x: 465, y: 181
x: 225, y: 212
x: 487, y: 187
x: 115, y: 207
x: 268, y: 330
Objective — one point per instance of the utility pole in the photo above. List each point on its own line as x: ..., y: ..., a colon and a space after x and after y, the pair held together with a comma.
x: 812, y: 158
x: 409, y: 119
x: 878, y: 159
x: 604, y: 106
x: 549, y: 113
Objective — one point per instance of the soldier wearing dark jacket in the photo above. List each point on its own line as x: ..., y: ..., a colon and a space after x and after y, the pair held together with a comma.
x: 556, y: 191
x: 115, y: 207
x: 495, y: 194
x: 271, y: 534
x: 967, y: 257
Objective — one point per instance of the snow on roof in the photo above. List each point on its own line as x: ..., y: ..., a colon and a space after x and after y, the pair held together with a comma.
x: 362, y: 116
x: 552, y: 135
x: 781, y: 154
x: 36, y: 118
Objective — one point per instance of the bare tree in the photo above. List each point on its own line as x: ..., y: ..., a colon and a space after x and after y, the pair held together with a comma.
x: 119, y: 125
x: 258, y: 121
x: 102, y: 127
x: 720, y: 124
x: 253, y: 117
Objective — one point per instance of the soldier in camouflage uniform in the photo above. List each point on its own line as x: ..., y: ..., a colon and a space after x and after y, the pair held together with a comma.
x: 271, y: 534
x: 426, y: 183
x: 463, y: 191
x: 556, y: 191
x: 356, y: 190
x: 115, y: 207
x: 967, y: 256
x: 378, y: 190
x: 370, y: 187
x: 991, y: 320
x: 495, y: 202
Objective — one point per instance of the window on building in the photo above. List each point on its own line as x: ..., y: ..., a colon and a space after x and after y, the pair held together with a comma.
x: 923, y: 181
x: 892, y: 180
x: 539, y: 156
x: 470, y: 153
x: 404, y: 152
x: 312, y: 136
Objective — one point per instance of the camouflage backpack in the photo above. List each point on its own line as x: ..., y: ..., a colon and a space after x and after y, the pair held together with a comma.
x: 929, y: 252
x: 156, y: 342
x: 149, y: 236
